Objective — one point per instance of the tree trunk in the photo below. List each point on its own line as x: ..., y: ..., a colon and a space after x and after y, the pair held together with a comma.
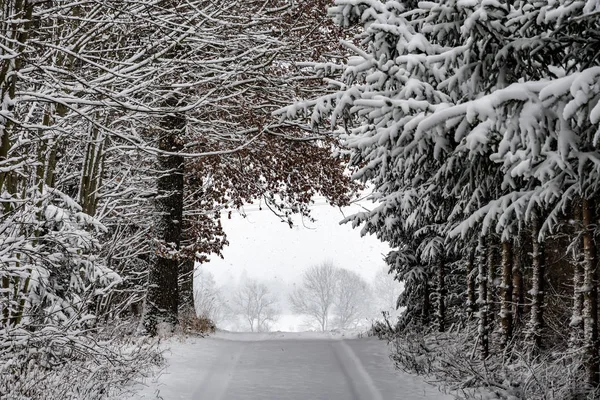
x: 536, y: 321
x: 471, y: 276
x: 518, y: 286
x: 162, y: 299
x: 577, y: 261
x: 506, y: 316
x: 92, y: 169
x: 187, y: 306
x: 590, y: 294
x: 5, y: 301
x: 186, y: 288
x: 425, y: 309
x: 42, y: 156
x: 15, y: 34
x: 482, y: 282
x: 51, y: 169
x: 576, y: 322
x: 441, y: 294
x: 491, y: 277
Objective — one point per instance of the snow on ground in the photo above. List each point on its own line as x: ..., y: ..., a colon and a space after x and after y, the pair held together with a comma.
x: 282, y: 366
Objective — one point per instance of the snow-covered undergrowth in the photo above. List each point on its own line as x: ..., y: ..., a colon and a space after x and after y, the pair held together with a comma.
x: 65, y: 332
x: 58, y: 363
x: 514, y: 374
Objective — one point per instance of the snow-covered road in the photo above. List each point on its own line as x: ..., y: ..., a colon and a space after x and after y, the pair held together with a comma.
x: 283, y: 366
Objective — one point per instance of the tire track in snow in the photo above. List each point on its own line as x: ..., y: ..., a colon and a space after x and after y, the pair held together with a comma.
x: 359, y: 379
x: 215, y: 384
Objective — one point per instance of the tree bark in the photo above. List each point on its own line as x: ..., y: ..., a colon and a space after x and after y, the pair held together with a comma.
x: 16, y: 34
x: 518, y: 286
x: 536, y: 321
x: 471, y: 276
x: 482, y: 282
x: 491, y: 277
x: 590, y: 294
x: 576, y: 323
x: 506, y: 316
x: 162, y: 299
x: 441, y: 293
x: 187, y: 307
x: 186, y: 288
x: 90, y: 177
x: 425, y: 309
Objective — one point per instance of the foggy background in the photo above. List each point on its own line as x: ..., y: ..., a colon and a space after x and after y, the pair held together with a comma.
x: 265, y: 250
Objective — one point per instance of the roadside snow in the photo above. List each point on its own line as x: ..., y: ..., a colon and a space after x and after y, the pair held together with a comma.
x: 282, y: 366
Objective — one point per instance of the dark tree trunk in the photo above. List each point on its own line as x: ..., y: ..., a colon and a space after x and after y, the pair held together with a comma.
x: 578, y: 270
x: 16, y: 35
x: 441, y: 294
x: 506, y: 316
x: 491, y: 277
x: 91, y: 175
x: 482, y: 281
x: 590, y: 294
x: 471, y: 276
x: 538, y: 270
x: 518, y: 286
x: 162, y: 299
x: 186, y: 287
x: 425, y: 309
x: 187, y: 307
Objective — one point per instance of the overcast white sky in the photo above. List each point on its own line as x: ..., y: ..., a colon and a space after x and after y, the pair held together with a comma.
x: 263, y: 247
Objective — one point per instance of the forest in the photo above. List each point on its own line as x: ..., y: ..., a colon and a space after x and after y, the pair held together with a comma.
x: 478, y: 123
x: 129, y: 128
x: 326, y: 298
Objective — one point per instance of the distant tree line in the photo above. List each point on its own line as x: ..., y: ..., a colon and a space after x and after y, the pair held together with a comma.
x: 332, y: 297
x: 326, y: 298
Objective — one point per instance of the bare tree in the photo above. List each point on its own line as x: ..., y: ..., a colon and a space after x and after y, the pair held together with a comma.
x: 332, y: 297
x: 386, y: 291
x: 351, y: 300
x: 256, y: 305
x: 208, y: 298
x: 316, y: 295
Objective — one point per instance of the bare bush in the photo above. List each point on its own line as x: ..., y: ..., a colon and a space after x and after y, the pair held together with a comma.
x: 191, y: 323
x: 54, y: 363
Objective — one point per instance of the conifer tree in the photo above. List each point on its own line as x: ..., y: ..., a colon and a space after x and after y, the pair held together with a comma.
x: 474, y: 121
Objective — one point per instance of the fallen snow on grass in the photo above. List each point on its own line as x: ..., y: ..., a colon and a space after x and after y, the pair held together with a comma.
x: 282, y: 366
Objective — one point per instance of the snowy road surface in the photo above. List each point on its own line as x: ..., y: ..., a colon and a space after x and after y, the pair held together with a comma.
x: 283, y: 366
